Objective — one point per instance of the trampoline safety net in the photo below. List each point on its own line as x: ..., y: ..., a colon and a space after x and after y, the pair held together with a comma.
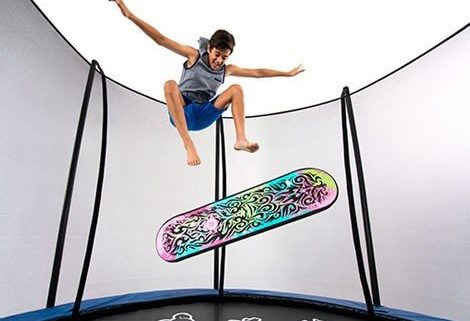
x: 414, y: 135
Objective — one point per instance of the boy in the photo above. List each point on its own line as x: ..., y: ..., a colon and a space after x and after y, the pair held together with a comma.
x: 192, y: 104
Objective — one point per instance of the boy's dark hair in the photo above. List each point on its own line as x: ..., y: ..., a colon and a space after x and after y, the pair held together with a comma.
x: 222, y: 40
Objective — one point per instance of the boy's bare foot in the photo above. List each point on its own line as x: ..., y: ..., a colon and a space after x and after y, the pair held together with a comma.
x: 246, y: 146
x: 193, y: 157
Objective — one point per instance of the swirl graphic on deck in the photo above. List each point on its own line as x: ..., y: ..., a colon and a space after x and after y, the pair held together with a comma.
x: 295, y: 195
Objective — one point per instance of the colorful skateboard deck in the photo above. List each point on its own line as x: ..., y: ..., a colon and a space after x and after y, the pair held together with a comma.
x: 296, y: 195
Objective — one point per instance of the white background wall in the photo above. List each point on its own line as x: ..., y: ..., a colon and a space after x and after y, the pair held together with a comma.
x: 340, y: 42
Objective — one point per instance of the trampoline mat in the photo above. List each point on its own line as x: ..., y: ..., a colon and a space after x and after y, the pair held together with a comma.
x: 228, y: 311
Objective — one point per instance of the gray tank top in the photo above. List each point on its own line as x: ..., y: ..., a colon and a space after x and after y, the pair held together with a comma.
x: 199, y: 82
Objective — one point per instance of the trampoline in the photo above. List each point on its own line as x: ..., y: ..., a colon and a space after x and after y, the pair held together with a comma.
x: 393, y: 246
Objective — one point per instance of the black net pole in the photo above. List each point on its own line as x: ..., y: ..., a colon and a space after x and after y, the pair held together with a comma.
x: 68, y: 194
x: 98, y: 195
x: 352, y: 211
x: 216, y: 196
x: 224, y: 194
x: 363, y: 195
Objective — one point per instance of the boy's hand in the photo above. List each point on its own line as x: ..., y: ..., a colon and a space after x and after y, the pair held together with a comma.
x: 297, y: 70
x: 126, y: 13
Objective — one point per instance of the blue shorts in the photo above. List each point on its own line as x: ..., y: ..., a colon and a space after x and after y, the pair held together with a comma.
x: 200, y: 115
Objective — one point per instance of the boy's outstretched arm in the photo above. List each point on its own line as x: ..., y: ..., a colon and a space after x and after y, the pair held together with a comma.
x: 262, y: 72
x: 182, y: 50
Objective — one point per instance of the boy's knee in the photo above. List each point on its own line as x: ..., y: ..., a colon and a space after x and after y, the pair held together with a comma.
x: 236, y: 89
x: 170, y: 87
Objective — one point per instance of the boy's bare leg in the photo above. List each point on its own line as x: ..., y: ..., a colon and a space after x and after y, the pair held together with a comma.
x: 234, y: 96
x: 175, y: 103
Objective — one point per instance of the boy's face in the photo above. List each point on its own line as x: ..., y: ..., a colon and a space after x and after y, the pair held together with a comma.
x: 217, y: 57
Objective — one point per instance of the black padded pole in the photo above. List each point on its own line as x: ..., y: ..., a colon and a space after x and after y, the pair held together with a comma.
x: 224, y: 194
x: 224, y: 159
x: 98, y: 194
x: 352, y: 210
x: 68, y: 193
x: 216, y: 197
x: 363, y: 195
